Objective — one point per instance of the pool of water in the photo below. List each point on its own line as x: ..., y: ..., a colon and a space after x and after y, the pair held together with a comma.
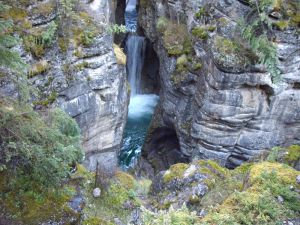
x: 141, y: 109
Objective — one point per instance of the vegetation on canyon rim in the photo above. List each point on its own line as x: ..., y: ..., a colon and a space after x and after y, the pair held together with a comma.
x: 38, y: 149
x: 257, y: 30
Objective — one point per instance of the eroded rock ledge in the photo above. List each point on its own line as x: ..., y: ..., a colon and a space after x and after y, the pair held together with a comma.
x: 227, y: 110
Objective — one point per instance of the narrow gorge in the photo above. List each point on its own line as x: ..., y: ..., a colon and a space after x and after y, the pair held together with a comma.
x: 149, y: 112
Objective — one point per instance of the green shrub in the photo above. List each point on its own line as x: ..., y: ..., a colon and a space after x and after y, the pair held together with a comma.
x: 171, y: 217
x: 200, y: 33
x: 40, y: 39
x: 117, y: 29
x: 40, y: 149
x: 162, y: 24
x: 256, y: 202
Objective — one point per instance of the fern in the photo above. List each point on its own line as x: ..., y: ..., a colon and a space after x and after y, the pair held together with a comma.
x: 260, y: 44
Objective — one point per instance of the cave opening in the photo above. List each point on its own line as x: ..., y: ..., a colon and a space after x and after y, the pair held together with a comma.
x: 162, y: 149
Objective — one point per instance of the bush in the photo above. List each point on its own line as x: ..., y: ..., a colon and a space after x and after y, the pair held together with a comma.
x: 162, y: 24
x: 40, y: 149
x: 171, y: 217
x: 256, y: 202
x: 200, y: 33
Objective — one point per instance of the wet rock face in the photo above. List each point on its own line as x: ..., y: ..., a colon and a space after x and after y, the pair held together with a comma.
x: 83, y: 78
x: 229, y: 110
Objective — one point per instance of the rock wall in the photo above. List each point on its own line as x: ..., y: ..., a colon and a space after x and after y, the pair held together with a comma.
x: 79, y: 73
x: 229, y: 110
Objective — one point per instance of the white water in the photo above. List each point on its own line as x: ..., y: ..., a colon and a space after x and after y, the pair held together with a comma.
x: 142, y: 106
x: 135, y: 46
x: 131, y: 5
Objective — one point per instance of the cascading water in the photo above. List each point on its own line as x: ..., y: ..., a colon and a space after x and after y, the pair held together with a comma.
x: 135, y: 47
x: 141, y: 106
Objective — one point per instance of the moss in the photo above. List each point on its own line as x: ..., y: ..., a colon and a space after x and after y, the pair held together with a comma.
x: 293, y: 155
x: 223, y: 21
x: 162, y: 24
x: 229, y: 54
x: 125, y: 180
x: 63, y: 44
x: 281, y: 25
x: 181, y: 216
x: 78, y: 53
x: 211, y: 28
x: 47, y: 101
x: 144, y: 3
x: 200, y: 33
x: 83, y: 37
x: 38, y: 68
x: 111, y: 203
x: 96, y: 221
x: 176, y: 39
x: 285, y: 173
x: 182, y: 63
x: 82, y: 65
x: 44, y: 8
x: 256, y: 203
x: 201, y: 12
x: 197, y: 66
x: 213, y: 167
x: 175, y: 171
x: 17, y: 14
x: 23, y: 205
x: 243, y: 169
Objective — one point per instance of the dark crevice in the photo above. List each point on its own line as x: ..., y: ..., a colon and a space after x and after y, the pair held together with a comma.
x: 296, y: 85
x: 162, y: 149
x: 150, y: 71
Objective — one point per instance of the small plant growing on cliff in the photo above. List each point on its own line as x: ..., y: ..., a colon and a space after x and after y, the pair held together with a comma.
x: 257, y: 34
x: 117, y: 29
x: 175, y: 36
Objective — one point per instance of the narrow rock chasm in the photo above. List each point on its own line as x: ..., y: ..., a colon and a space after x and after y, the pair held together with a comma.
x: 143, y: 84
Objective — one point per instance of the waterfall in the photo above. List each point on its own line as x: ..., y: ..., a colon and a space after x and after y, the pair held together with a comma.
x: 135, y: 47
x: 141, y: 105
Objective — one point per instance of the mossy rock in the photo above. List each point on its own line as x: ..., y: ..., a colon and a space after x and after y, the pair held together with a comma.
x: 176, y: 171
x: 289, y: 155
x: 256, y: 203
x: 125, y: 179
x: 176, y: 39
x: 231, y: 56
x: 23, y: 205
x: 37, y: 68
x: 286, y: 174
x: 96, y: 221
x: 45, y: 8
x: 293, y: 155
x: 200, y: 33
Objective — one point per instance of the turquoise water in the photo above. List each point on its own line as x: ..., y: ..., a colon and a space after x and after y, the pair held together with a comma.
x: 139, y: 117
x: 141, y: 106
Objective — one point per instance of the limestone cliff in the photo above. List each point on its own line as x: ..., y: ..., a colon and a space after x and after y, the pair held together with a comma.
x: 217, y: 102
x: 72, y: 65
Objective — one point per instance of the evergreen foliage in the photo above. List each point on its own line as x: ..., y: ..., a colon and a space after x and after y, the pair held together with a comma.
x: 38, y: 149
x: 8, y: 58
